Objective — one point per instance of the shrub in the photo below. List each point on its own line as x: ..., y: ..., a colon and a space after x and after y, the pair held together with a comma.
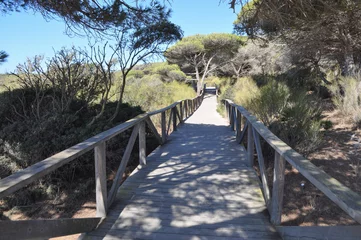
x: 271, y: 102
x: 242, y: 92
x: 347, y: 97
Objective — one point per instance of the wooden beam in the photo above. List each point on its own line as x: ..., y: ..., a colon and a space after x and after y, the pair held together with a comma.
x: 250, y: 146
x: 320, y: 232
x: 123, y: 164
x: 46, y: 228
x: 154, y: 130
x: 181, y: 111
x: 243, y: 133
x: 169, y: 121
x: 100, y: 179
x: 278, y: 188
x: 262, y: 168
x: 164, y: 128
x: 174, y: 110
x: 142, y: 144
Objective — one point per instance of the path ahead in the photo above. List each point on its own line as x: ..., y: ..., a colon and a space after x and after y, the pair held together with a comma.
x: 196, y: 186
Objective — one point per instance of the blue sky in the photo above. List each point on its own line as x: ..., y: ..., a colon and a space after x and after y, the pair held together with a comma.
x: 26, y: 34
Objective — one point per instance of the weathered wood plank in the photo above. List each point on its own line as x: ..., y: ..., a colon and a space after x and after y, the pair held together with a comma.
x: 47, y: 228
x: 154, y: 130
x: 250, y: 146
x: 142, y: 144
x: 181, y: 111
x: 243, y: 133
x: 174, y: 114
x: 122, y: 166
x: 262, y: 168
x: 100, y: 179
x: 320, y: 232
x: 169, y: 121
x: 164, y: 128
x: 278, y: 188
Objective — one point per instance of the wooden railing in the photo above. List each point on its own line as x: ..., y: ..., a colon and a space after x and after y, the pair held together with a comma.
x: 34, y: 229
x: 242, y: 122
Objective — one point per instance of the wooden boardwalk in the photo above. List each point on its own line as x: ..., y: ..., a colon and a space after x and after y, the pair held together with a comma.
x: 196, y: 186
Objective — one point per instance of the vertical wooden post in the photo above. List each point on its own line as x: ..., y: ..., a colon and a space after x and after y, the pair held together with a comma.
x: 164, y: 127
x: 186, y: 108
x: 239, y: 123
x: 174, y: 118
x: 231, y: 120
x: 278, y: 188
x: 181, y: 111
x: 250, y: 145
x: 226, y: 109
x: 100, y: 180
x: 142, y: 144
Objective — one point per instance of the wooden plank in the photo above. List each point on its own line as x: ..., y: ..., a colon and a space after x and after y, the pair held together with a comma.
x: 174, y: 111
x: 238, y: 124
x: 262, y: 168
x: 179, y: 117
x: 181, y: 112
x: 250, y: 146
x: 320, y: 232
x: 100, y: 179
x: 243, y: 133
x: 24, y: 177
x: 186, y: 108
x: 142, y: 144
x: 169, y: 121
x: 341, y: 195
x: 154, y: 130
x: 164, y: 128
x: 278, y: 188
x: 46, y: 228
x: 122, y: 166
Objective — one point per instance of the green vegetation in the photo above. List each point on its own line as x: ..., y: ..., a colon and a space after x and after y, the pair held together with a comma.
x: 44, y: 110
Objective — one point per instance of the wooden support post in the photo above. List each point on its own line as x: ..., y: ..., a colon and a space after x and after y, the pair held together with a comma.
x: 164, y: 127
x: 174, y: 118
x: 181, y: 111
x: 186, y: 108
x: 232, y: 117
x: 250, y: 145
x: 142, y: 144
x: 123, y: 164
x: 262, y: 168
x: 238, y: 124
x: 226, y: 110
x: 100, y: 179
x: 278, y: 188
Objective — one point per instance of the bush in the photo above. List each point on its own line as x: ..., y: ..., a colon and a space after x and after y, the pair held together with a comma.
x: 242, y: 92
x: 271, y: 102
x: 293, y: 115
x: 347, y: 97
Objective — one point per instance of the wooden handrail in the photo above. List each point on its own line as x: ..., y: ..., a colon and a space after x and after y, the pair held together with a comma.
x: 344, y: 197
x: 104, y: 200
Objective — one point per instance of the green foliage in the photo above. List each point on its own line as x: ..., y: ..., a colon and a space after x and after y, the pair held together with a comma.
x: 327, y: 124
x: 242, y: 92
x: 151, y: 93
x: 294, y: 116
x: 346, y: 97
x: 271, y: 102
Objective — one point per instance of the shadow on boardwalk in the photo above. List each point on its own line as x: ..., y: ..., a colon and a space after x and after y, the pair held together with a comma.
x: 194, y: 187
